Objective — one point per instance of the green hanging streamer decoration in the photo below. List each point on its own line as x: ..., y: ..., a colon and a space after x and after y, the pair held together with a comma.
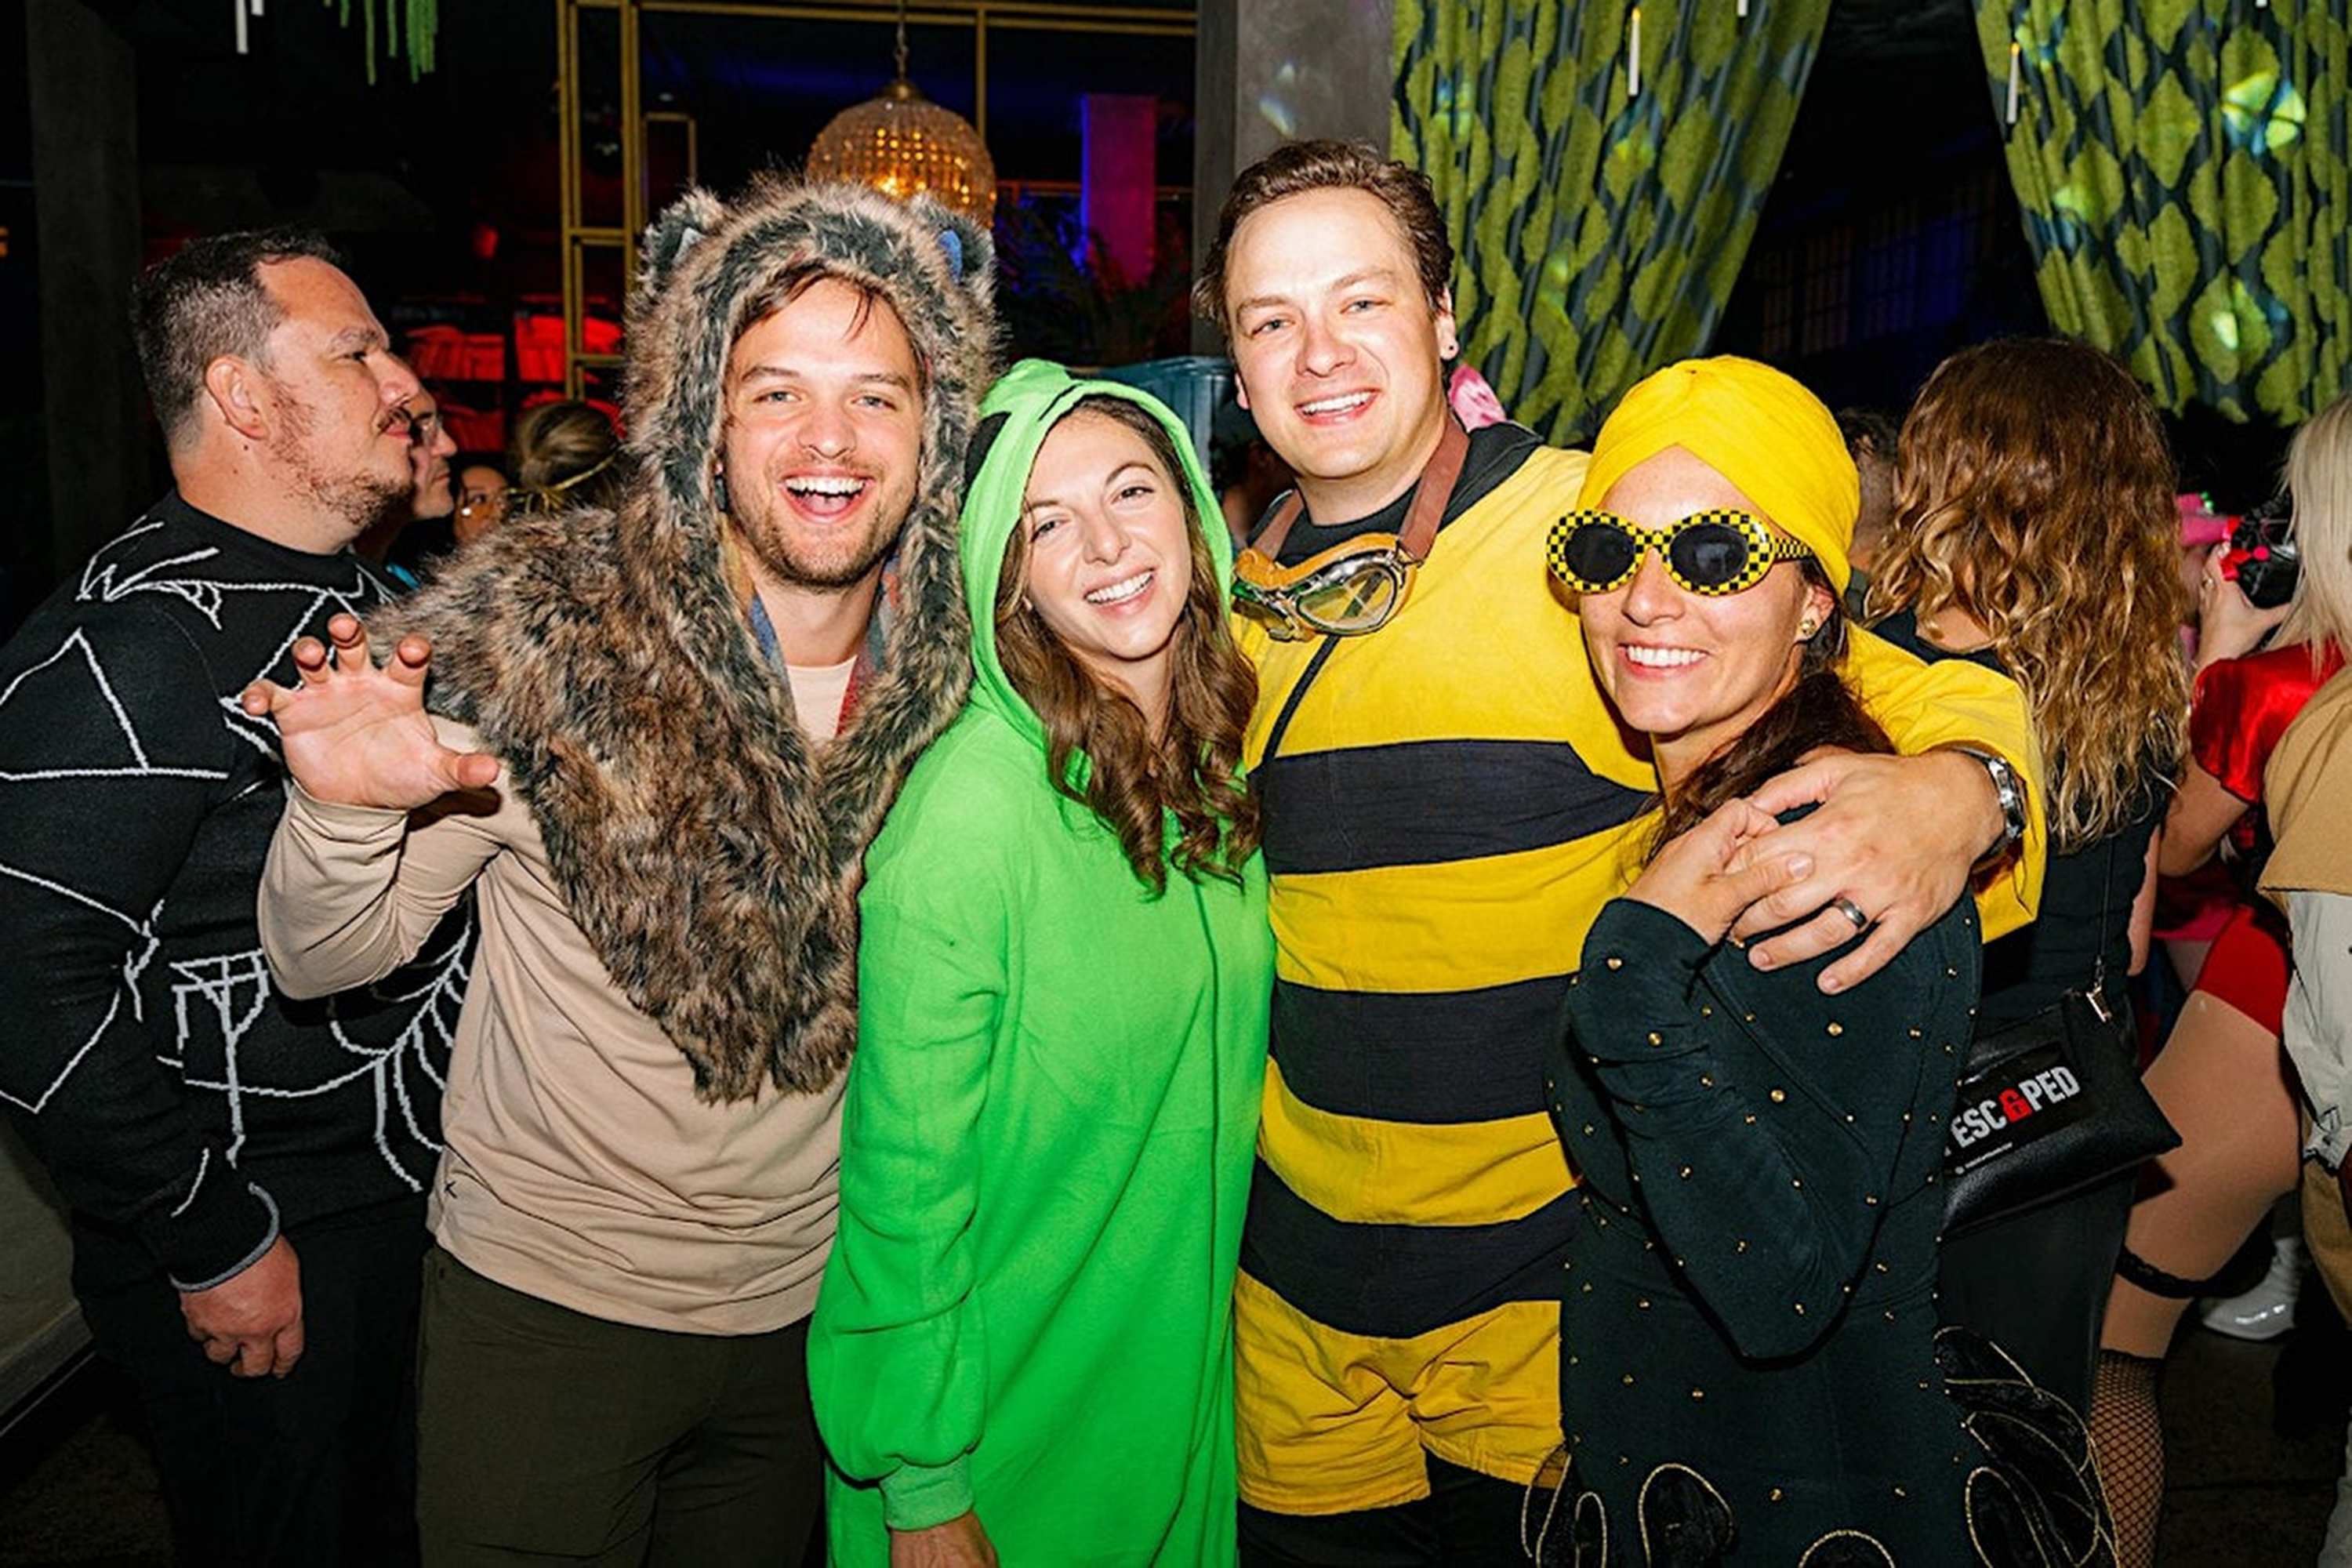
x: 410, y: 28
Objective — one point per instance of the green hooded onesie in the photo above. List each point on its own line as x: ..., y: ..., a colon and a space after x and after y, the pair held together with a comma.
x: 1047, y: 1135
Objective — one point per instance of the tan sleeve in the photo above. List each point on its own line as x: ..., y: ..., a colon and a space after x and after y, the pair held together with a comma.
x: 349, y: 893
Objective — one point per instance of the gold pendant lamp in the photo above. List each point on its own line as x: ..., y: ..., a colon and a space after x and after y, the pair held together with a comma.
x: 900, y: 143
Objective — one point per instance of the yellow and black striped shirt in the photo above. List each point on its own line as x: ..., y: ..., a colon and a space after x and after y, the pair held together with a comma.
x: 1448, y: 805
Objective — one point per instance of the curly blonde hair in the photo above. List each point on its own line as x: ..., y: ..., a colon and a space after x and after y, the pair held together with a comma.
x: 2034, y: 493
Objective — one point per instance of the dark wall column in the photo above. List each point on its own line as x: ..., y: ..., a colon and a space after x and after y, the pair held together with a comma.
x: 1269, y: 71
x: 83, y: 101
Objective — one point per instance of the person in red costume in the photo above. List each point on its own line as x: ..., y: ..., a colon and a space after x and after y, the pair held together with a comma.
x: 2221, y: 1076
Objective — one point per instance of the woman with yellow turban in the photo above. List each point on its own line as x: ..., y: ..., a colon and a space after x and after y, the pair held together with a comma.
x: 1750, y: 1326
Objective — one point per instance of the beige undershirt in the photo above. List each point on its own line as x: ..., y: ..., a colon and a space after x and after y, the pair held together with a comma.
x: 818, y: 692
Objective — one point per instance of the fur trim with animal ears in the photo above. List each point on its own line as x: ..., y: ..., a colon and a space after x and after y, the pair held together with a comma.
x: 711, y: 855
x: 683, y: 223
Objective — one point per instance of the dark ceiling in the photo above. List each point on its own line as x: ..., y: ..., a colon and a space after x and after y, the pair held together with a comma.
x: 298, y: 106
x: 424, y: 176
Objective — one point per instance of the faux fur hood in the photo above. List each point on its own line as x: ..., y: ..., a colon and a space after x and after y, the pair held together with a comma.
x: 707, y: 851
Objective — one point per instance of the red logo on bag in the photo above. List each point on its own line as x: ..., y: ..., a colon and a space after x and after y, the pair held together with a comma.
x: 2014, y: 1105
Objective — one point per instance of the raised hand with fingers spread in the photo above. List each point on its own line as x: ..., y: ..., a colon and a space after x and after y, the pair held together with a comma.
x: 355, y: 733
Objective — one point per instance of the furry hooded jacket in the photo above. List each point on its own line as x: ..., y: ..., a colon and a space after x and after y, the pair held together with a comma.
x: 707, y: 849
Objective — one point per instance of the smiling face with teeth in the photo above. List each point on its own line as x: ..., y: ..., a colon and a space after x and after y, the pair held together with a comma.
x: 1109, y: 554
x: 1339, y: 351
x: 1693, y: 672
x: 823, y: 443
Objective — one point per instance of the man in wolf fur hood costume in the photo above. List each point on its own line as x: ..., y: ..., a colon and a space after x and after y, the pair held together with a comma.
x: 642, y: 1118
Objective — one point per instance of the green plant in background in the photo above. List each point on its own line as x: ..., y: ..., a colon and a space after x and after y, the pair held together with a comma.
x: 2184, y: 176
x: 1600, y: 229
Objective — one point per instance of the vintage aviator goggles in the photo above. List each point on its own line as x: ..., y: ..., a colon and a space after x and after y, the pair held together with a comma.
x: 1356, y: 586
x: 1346, y: 591
x: 1708, y: 552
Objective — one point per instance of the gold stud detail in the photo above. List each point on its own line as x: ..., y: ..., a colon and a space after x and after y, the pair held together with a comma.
x: 1837, y: 1028
x: 1615, y: 963
x: 1778, y: 1095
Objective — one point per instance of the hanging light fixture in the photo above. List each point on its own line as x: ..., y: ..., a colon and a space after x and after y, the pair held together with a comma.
x: 900, y: 143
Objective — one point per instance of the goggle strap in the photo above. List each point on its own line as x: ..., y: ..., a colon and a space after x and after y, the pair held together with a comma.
x: 1435, y: 489
x: 1431, y: 492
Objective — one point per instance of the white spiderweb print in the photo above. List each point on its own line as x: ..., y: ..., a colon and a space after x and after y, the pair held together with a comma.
x: 221, y: 998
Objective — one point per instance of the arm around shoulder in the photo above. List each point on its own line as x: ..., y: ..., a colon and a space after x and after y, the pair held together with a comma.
x: 1896, y: 840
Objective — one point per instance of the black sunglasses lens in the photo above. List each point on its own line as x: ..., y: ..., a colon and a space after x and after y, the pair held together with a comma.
x: 1708, y: 554
x: 1598, y: 553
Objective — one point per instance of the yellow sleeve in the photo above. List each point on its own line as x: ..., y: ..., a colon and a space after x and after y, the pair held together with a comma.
x: 1953, y: 702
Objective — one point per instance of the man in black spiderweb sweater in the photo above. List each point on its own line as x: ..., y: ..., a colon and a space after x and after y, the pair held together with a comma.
x: 246, y: 1173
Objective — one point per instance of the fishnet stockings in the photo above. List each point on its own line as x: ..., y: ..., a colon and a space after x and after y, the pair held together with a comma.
x: 2127, y: 1436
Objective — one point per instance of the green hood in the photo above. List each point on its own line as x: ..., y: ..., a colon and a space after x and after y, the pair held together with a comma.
x: 1013, y: 420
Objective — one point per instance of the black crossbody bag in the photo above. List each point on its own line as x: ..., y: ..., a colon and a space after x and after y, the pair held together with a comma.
x: 2049, y: 1106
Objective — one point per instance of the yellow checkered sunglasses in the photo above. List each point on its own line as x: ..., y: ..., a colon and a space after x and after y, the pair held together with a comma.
x: 1708, y: 552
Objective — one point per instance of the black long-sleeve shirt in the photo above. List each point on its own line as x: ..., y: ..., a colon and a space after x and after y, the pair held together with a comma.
x: 173, y: 1094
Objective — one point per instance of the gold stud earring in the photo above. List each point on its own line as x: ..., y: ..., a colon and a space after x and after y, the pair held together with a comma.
x: 1806, y: 628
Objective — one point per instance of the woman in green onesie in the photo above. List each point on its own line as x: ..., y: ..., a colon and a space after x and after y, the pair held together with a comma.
x: 1024, y: 1341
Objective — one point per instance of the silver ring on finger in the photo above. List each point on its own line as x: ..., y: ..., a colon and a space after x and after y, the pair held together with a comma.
x: 1852, y: 912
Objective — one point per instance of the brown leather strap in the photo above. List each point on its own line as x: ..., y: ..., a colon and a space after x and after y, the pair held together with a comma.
x: 1431, y: 492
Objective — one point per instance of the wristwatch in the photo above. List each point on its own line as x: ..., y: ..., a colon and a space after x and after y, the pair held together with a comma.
x: 2009, y: 789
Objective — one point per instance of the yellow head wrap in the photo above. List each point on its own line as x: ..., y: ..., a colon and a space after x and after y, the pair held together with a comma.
x: 1756, y: 427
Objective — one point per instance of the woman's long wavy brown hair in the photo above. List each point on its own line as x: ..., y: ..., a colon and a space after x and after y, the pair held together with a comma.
x: 2034, y: 492
x: 1192, y: 770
